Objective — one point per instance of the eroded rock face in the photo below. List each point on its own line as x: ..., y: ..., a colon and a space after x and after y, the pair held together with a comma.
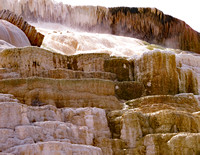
x: 63, y: 93
x: 189, y: 64
x: 157, y: 71
x: 172, y: 143
x: 153, y: 121
x: 21, y: 124
x: 98, y: 104
x: 162, y: 74
x: 54, y: 148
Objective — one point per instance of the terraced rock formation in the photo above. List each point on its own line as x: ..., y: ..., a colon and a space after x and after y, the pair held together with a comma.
x: 98, y: 104
x: 149, y: 24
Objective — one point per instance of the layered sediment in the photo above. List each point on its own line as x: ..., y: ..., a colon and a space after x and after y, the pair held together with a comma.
x: 98, y: 104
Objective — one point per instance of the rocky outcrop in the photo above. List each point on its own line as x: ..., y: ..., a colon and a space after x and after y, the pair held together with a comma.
x: 149, y: 24
x: 190, y: 66
x: 146, y: 70
x: 33, y: 61
x: 63, y: 93
x: 151, y: 123
x: 172, y: 143
x: 98, y: 104
x: 22, y: 126
x: 157, y: 71
x: 34, y: 37
x: 154, y: 26
x: 161, y: 73
x: 54, y: 148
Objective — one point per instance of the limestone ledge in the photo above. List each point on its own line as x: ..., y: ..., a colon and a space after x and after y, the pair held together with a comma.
x: 175, y: 144
x: 133, y: 130
x: 33, y: 61
x: 53, y: 147
x: 21, y: 124
x: 180, y: 102
x: 160, y: 72
x: 161, y: 114
x: 37, y: 91
x: 55, y: 102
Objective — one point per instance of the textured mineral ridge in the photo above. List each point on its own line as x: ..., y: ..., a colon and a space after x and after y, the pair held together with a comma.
x: 90, y: 104
x: 98, y: 104
x: 149, y: 24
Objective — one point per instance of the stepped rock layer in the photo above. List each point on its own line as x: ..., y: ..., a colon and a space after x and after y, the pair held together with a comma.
x: 152, y: 124
x: 133, y: 130
x: 149, y: 24
x: 98, y: 104
x: 161, y: 74
x: 33, y: 61
x: 175, y: 78
x: 63, y: 93
x: 55, y: 148
x: 21, y: 126
x: 34, y: 37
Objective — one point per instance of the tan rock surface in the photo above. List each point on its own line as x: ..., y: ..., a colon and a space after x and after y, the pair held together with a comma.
x: 128, y: 90
x: 33, y: 61
x: 155, y: 115
x: 182, y: 143
x: 47, y: 123
x: 12, y: 113
x: 179, y: 102
x: 161, y: 75
x: 71, y: 74
x: 55, y: 148
x: 157, y: 71
x: 189, y: 62
x: 66, y: 104
x: 63, y: 93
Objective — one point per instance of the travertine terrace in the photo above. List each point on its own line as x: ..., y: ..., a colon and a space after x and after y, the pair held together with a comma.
x: 98, y: 103
x: 149, y: 24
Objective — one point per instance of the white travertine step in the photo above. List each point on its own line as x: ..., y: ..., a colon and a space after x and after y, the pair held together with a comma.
x: 7, y: 98
x: 55, y: 148
x: 21, y: 124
